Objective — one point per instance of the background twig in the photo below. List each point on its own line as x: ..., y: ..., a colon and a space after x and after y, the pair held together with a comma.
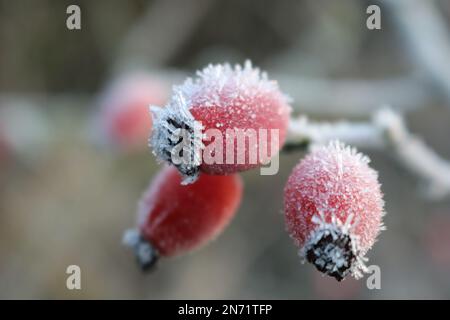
x: 388, y: 131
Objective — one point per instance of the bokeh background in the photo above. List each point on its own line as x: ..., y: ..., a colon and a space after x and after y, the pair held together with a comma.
x: 69, y: 184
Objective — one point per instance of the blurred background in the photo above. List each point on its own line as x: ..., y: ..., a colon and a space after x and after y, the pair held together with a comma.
x: 74, y: 125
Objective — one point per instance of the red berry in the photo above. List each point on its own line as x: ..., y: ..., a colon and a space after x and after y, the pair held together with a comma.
x: 226, y: 101
x: 333, y: 209
x: 124, y: 109
x: 174, y: 219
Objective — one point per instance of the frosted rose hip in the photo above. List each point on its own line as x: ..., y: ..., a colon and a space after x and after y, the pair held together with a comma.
x: 333, y: 209
x: 174, y: 219
x: 222, y: 103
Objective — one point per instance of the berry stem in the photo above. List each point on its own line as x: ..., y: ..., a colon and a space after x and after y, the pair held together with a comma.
x: 146, y: 255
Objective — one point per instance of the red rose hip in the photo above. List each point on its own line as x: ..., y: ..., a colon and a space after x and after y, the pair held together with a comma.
x: 223, y: 104
x: 334, y: 209
x: 124, y: 119
x: 174, y: 219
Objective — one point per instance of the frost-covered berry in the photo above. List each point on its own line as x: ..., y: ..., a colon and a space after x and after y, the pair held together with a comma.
x: 220, y: 106
x: 124, y: 119
x: 334, y: 209
x: 174, y: 219
x: 437, y: 240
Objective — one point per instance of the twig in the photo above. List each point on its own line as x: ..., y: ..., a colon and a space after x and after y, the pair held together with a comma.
x: 386, y: 130
x: 427, y: 36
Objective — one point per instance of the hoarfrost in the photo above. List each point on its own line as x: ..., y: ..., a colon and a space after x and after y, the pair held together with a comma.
x: 177, y: 138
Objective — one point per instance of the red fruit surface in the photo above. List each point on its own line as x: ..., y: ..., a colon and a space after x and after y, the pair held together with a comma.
x: 124, y: 109
x: 336, y: 185
x: 175, y: 218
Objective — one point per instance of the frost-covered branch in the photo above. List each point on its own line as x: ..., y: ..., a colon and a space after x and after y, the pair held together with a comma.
x: 387, y: 131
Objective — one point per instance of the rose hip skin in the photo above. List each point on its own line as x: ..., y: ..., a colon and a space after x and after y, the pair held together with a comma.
x: 174, y: 219
x: 222, y: 99
x: 334, y: 209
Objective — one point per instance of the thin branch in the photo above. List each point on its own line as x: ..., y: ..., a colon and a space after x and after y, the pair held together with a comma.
x: 387, y: 131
